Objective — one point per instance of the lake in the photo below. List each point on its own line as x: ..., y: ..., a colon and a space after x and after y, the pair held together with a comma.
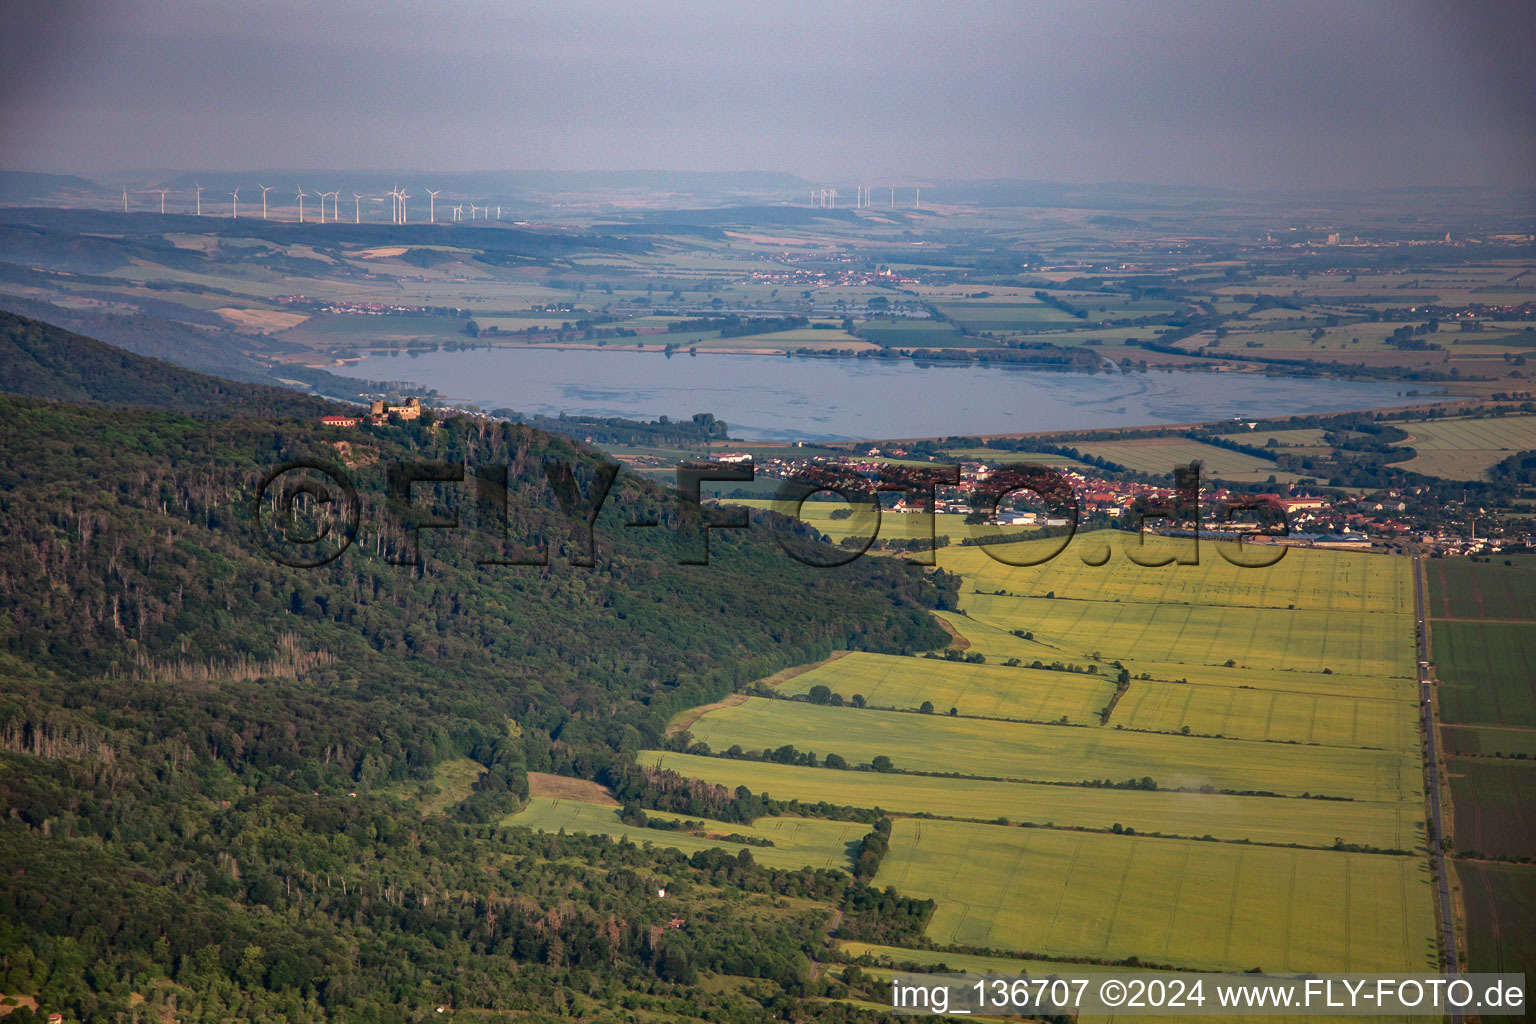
x: 773, y: 398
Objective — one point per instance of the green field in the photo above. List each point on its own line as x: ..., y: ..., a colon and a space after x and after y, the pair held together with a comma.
x: 1161, y: 454
x: 1268, y: 715
x: 1064, y: 894
x: 797, y: 842
x: 1495, y: 804
x: 1005, y: 316
x: 1487, y: 672
x: 1461, y: 449
x: 917, y: 334
x: 988, y: 691
x: 1501, y: 916
x: 1488, y: 739
x: 1463, y: 589
x: 1056, y: 753
x: 1390, y: 826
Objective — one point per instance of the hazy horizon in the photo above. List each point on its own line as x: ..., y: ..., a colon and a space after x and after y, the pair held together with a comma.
x: 1296, y: 95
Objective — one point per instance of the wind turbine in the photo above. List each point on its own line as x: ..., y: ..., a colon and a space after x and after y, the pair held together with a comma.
x: 301, y: 204
x: 162, y: 192
x: 125, y: 198
x: 199, y: 198
x: 404, y: 195
x: 432, y: 205
x: 321, y: 196
x: 264, y: 190
x: 234, y: 205
x: 357, y: 208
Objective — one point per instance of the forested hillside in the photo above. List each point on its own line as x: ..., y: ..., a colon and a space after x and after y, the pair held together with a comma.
x: 45, y: 361
x: 203, y: 748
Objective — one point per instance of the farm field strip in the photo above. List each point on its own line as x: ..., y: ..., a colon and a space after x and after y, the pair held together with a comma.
x: 1488, y: 739
x: 1501, y: 915
x: 1495, y: 806
x: 1065, y: 894
x: 1487, y: 672
x: 1388, y: 826
x: 1361, y: 643
x: 1161, y: 454
x: 1284, y: 680
x: 1461, y: 449
x: 1257, y: 714
x: 1304, y: 579
x: 798, y: 842
x: 1056, y: 753
x: 1461, y: 589
x: 988, y: 691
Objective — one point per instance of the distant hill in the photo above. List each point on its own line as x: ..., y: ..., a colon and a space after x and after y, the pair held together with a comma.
x: 30, y: 186
x: 168, y: 336
x: 43, y: 361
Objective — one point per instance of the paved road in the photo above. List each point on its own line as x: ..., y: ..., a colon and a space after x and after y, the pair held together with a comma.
x: 1449, y: 960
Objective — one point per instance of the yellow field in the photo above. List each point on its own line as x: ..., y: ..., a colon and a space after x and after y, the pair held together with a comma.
x: 1077, y: 894
x: 1388, y: 826
x: 1306, y: 578
x: 1058, y: 753
x: 1356, y: 642
x: 887, y: 681
x: 1461, y: 449
x: 1318, y: 699
x: 1161, y: 454
x: 1266, y: 715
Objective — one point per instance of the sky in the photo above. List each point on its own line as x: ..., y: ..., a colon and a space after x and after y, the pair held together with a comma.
x: 1280, y: 94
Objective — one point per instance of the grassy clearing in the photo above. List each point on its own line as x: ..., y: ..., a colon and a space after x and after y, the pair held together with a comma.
x: 1387, y: 826
x: 798, y: 842
x: 1501, y: 915
x: 887, y: 681
x: 1066, y: 894
x: 452, y: 781
x: 1054, y: 753
x: 1495, y: 805
x: 1266, y: 715
x: 1488, y: 672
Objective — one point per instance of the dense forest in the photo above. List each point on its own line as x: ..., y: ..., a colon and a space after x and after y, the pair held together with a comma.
x: 201, y: 747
